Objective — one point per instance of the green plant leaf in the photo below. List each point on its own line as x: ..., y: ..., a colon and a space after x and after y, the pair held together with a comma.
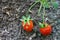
x: 55, y: 4
x: 46, y: 4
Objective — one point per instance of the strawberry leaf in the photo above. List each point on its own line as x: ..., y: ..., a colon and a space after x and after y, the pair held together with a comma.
x: 55, y: 4
x: 46, y: 5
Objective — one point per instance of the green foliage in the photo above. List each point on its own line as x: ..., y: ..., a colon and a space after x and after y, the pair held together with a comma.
x: 55, y: 5
x: 47, y: 4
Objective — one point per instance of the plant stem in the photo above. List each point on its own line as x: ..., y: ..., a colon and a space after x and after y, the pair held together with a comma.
x: 39, y: 9
x: 43, y: 14
x: 30, y: 8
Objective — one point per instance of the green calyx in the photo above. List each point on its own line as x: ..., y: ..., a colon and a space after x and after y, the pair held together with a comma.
x: 42, y: 25
x: 26, y: 19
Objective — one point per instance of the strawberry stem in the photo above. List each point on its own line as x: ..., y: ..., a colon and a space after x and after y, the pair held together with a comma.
x: 39, y: 9
x: 43, y: 14
x: 32, y: 6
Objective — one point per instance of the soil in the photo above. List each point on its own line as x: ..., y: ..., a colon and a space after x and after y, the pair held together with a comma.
x: 11, y: 11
